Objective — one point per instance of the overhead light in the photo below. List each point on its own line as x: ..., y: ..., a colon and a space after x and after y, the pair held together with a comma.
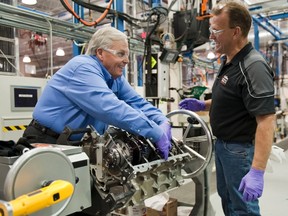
x: 26, y: 59
x: 60, y: 52
x: 29, y: 2
x: 253, y: 2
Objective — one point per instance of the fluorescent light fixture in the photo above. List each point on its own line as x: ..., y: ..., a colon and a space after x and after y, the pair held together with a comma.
x: 29, y: 2
x: 60, y: 52
x: 254, y: 2
x: 26, y: 59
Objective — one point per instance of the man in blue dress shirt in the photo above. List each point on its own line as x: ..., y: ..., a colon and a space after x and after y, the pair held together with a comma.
x: 91, y: 90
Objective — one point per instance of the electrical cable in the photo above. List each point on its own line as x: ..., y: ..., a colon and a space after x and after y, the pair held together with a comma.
x: 131, y: 20
x: 79, y: 45
x: 158, y: 11
x: 102, y: 9
x: 69, y: 8
x: 82, y: 50
x: 189, y: 21
x: 167, y: 37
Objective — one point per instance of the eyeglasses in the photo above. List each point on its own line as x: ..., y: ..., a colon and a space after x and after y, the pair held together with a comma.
x: 215, y: 32
x: 118, y: 53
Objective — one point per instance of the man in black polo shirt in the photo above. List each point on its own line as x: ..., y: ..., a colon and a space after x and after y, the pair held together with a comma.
x: 241, y: 111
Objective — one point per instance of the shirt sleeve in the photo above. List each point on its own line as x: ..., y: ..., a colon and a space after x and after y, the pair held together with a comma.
x: 89, y: 90
x: 258, y: 93
x: 133, y: 99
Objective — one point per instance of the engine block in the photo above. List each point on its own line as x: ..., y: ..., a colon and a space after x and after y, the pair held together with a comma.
x: 126, y: 169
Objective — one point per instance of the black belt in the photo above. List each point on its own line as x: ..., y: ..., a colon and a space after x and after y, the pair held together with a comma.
x: 43, y: 129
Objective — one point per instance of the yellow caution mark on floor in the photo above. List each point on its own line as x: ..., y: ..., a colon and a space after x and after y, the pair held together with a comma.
x: 14, y: 128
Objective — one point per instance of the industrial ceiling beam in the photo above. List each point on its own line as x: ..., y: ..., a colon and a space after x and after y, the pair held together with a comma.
x: 274, y: 30
x: 268, y: 10
x: 269, y: 27
x: 19, y: 18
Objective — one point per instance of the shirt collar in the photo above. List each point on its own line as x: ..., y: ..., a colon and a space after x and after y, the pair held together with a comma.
x: 107, y: 75
x: 242, y: 53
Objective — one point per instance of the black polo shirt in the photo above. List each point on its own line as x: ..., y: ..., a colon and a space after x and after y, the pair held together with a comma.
x: 242, y: 90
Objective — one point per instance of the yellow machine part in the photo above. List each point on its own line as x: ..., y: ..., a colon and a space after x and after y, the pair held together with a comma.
x: 56, y: 192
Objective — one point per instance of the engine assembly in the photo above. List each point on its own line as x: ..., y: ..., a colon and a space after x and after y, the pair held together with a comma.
x: 115, y: 169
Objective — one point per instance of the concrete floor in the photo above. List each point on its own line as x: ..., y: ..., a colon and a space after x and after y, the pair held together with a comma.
x: 274, y: 201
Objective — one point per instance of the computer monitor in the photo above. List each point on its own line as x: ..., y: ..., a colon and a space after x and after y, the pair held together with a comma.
x: 24, y: 98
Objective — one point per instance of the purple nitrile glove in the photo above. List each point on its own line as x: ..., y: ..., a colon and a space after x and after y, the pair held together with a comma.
x: 252, y: 185
x: 192, y: 104
x: 166, y: 127
x: 163, y: 146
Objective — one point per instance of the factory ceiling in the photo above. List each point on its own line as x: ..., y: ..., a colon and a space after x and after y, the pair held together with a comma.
x: 55, y: 9
x: 267, y: 8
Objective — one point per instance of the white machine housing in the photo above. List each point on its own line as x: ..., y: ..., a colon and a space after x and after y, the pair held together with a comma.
x: 20, y: 175
x: 14, y: 113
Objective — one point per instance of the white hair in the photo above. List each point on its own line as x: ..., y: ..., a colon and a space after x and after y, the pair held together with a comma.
x: 104, y: 38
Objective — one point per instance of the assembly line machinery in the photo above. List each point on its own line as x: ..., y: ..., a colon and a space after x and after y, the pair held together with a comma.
x: 101, y: 173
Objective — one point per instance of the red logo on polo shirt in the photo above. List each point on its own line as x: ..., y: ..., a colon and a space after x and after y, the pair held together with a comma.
x: 224, y: 80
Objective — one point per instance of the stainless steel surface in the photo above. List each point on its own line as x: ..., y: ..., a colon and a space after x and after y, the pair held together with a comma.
x: 8, y: 160
x: 202, y: 156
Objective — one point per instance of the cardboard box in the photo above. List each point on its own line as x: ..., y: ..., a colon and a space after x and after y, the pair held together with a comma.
x: 170, y: 209
x: 137, y: 210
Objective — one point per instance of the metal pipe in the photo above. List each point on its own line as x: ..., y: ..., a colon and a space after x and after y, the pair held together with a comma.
x: 270, y: 9
x: 51, y: 47
x: 37, y: 22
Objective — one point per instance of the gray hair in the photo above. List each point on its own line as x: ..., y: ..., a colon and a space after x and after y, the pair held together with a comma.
x: 104, y: 38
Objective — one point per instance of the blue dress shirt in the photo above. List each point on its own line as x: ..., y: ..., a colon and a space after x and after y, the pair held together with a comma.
x: 84, y: 93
